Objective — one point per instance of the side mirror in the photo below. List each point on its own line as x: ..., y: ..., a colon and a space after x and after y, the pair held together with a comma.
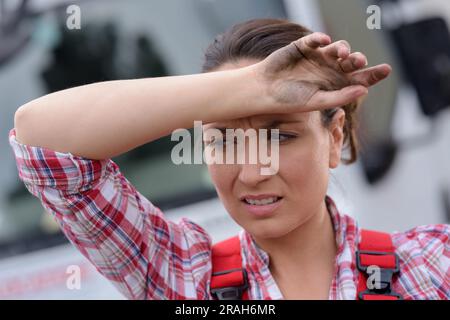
x: 377, y: 160
x: 424, y: 49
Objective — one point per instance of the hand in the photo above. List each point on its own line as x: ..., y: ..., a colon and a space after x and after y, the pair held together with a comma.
x: 312, y: 73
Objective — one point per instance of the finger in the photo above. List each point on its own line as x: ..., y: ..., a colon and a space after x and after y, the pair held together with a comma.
x: 339, y: 49
x: 338, y: 98
x: 312, y: 41
x: 353, y: 62
x: 316, y: 40
x: 371, y: 76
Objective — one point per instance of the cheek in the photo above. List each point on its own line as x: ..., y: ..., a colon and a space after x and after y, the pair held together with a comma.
x: 305, y: 163
x: 222, y: 176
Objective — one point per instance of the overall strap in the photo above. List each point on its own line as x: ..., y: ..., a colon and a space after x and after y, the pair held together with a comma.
x: 375, y: 253
x: 229, y: 278
x: 376, y: 259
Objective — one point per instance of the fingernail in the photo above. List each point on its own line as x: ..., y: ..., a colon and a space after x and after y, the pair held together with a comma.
x: 365, y: 60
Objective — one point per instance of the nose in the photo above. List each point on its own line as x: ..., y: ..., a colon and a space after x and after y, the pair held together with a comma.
x: 250, y: 175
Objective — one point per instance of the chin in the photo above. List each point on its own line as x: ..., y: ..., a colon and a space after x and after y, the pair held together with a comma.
x: 268, y: 229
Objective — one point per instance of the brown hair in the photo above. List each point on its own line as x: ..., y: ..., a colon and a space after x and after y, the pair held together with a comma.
x: 257, y: 39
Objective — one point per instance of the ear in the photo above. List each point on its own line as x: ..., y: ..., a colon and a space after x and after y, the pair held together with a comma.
x: 336, y: 134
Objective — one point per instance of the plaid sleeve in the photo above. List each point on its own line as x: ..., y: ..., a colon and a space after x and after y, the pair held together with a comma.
x: 121, y: 232
x: 425, y: 261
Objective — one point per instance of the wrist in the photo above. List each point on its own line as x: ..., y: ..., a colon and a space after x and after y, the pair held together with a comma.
x: 255, y: 95
x: 236, y: 93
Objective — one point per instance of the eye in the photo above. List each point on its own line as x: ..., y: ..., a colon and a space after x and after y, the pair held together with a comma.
x: 282, y: 136
x: 214, y: 142
x: 219, y: 141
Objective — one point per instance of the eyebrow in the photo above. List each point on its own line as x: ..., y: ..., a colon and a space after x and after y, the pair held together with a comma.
x: 271, y: 124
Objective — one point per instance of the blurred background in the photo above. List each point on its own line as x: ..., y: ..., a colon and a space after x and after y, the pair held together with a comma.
x: 401, y: 180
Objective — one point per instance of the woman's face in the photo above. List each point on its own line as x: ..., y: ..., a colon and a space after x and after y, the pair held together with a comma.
x: 307, y: 150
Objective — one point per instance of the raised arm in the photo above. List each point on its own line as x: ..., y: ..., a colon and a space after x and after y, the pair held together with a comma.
x: 106, y: 119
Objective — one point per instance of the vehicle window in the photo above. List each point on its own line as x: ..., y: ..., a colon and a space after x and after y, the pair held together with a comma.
x: 117, y: 40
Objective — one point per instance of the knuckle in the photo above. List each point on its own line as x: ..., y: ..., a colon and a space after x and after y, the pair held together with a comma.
x: 345, y: 43
x: 373, y: 77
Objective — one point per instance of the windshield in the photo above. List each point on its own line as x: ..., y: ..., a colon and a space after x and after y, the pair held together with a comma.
x: 39, y: 54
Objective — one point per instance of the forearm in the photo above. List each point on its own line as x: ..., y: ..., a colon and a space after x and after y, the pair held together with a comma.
x: 106, y: 119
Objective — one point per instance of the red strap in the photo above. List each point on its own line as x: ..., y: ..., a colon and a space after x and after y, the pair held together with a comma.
x: 379, y: 297
x: 227, y: 268
x: 375, y: 248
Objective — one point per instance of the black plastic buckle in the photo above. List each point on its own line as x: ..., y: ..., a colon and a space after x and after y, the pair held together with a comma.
x: 230, y: 293
x: 383, y: 287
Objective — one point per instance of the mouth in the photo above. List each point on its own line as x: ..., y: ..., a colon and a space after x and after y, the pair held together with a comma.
x: 261, y: 201
x: 261, y: 205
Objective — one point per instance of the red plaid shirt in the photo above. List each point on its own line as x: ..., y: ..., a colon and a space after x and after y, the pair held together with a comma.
x: 145, y: 256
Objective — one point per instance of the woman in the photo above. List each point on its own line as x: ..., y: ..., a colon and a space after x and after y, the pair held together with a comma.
x: 295, y: 244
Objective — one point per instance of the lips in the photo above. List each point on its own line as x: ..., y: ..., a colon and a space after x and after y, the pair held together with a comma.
x: 262, y: 201
x: 262, y: 204
x: 259, y: 196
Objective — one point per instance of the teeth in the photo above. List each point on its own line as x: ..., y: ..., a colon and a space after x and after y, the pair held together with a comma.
x: 261, y: 202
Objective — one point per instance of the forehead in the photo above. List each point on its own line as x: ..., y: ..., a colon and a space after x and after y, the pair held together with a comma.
x: 260, y: 121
